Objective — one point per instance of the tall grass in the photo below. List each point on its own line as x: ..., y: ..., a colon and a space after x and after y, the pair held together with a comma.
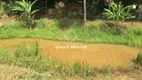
x: 139, y: 58
x: 25, y: 56
x: 26, y: 50
x: 97, y: 33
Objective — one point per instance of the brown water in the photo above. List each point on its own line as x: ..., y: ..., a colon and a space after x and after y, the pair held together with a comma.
x: 96, y: 55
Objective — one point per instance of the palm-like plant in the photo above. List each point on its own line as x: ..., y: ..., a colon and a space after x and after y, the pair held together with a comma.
x: 27, y: 13
x: 118, y: 12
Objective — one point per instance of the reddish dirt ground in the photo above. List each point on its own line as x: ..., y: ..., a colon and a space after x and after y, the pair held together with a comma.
x: 1, y: 23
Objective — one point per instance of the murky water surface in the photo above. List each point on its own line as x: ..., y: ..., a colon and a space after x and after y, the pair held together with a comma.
x: 96, y: 55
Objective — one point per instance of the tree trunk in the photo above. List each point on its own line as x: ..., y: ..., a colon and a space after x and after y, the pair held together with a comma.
x: 85, y: 13
x: 45, y: 8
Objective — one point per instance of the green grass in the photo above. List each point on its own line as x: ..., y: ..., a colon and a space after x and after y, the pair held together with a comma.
x: 102, y: 32
x: 28, y: 65
x: 19, y: 73
x: 24, y: 56
x: 139, y: 58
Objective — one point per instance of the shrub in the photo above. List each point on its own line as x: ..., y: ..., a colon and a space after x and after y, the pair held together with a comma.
x: 12, y: 25
x: 118, y: 12
x: 5, y: 8
x: 2, y: 11
x: 41, y: 23
x: 139, y: 58
x: 65, y: 23
x: 26, y: 50
x: 106, y: 69
x: 27, y: 13
x: 139, y: 11
x: 134, y: 31
x: 113, y: 28
x: 83, y: 69
x: 77, y: 67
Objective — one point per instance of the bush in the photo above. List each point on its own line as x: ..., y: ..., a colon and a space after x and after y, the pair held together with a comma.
x: 134, y: 31
x: 65, y: 23
x: 106, y: 69
x: 118, y: 12
x: 2, y: 11
x: 26, y: 50
x: 12, y: 25
x: 139, y: 58
x: 77, y: 67
x: 5, y: 8
x: 113, y: 28
x: 41, y: 23
x: 139, y: 11
x: 27, y: 13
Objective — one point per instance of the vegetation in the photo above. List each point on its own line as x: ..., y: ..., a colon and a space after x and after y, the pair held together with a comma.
x: 139, y: 58
x: 24, y: 60
x: 2, y: 12
x: 63, y: 20
x: 118, y: 12
x: 27, y: 12
x: 102, y: 32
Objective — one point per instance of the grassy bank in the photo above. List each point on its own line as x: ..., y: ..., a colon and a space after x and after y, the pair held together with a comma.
x: 23, y: 62
x: 94, y: 32
x: 29, y: 65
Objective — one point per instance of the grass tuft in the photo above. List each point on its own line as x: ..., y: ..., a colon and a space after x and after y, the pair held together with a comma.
x: 139, y: 58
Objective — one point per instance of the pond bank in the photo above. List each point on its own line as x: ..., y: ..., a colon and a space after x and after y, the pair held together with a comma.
x: 96, y: 55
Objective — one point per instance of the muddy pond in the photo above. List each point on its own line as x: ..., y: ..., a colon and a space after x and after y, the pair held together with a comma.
x: 96, y: 55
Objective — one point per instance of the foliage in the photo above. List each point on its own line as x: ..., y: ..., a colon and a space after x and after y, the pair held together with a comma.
x: 5, y: 9
x: 65, y: 23
x: 12, y: 25
x: 77, y: 67
x: 24, y: 56
x: 26, y: 50
x: 83, y: 69
x: 139, y: 58
x: 94, y: 9
x: 130, y: 36
x: 113, y: 28
x: 139, y: 11
x: 106, y: 69
x: 118, y: 12
x: 41, y: 23
x: 2, y: 12
x: 27, y: 12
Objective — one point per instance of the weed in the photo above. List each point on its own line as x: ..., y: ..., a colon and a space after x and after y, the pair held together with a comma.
x: 26, y: 50
x: 36, y: 48
x: 12, y: 25
x: 88, y: 71
x: 113, y: 28
x: 106, y: 69
x: 77, y: 67
x: 65, y: 23
x: 139, y: 58
x: 41, y: 23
